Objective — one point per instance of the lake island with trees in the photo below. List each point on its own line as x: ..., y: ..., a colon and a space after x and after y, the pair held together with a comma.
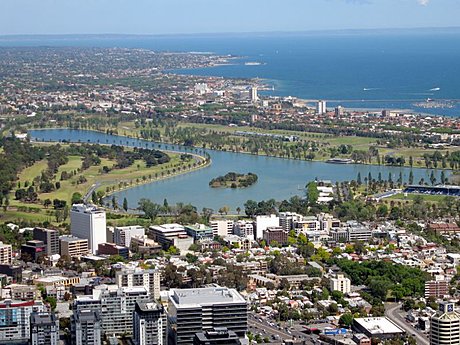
x: 234, y: 180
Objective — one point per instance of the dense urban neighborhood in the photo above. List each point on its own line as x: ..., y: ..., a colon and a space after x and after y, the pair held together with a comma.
x: 369, y: 259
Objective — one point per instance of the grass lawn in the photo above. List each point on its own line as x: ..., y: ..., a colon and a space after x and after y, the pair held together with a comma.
x: 411, y: 197
x: 134, y: 174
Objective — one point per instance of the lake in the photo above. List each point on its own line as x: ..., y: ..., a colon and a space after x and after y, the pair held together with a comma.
x: 278, y: 178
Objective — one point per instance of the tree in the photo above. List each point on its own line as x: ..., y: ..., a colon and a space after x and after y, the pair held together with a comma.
x: 250, y: 207
x: 150, y: 209
x: 346, y: 320
x: 125, y: 204
x: 411, y: 177
x: 77, y: 198
x: 312, y: 193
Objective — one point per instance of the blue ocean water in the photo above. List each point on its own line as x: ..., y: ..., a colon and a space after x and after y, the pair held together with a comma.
x: 356, y: 69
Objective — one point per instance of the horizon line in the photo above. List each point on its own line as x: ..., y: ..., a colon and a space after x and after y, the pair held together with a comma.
x: 319, y: 31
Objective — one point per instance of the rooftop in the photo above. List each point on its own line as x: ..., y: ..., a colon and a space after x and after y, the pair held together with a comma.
x: 378, y: 325
x: 183, y: 298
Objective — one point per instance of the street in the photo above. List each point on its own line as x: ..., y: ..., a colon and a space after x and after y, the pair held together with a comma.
x: 392, y: 311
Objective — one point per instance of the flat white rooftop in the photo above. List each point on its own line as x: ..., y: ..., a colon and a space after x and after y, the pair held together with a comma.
x: 378, y: 325
x: 184, y: 298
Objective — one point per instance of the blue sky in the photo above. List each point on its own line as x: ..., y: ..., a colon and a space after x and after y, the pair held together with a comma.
x: 214, y: 16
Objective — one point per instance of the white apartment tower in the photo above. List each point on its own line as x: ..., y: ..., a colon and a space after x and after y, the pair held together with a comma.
x: 340, y: 283
x: 6, y: 253
x: 122, y: 234
x: 88, y: 222
x: 138, y: 277
x: 321, y: 107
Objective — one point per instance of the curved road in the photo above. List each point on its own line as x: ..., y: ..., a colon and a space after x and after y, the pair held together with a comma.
x: 392, y: 311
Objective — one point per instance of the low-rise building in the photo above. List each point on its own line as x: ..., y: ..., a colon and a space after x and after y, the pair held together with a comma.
x: 377, y: 327
x: 113, y: 249
x: 72, y: 246
x: 275, y: 235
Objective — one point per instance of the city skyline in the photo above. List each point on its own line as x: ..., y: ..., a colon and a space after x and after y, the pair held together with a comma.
x: 22, y: 17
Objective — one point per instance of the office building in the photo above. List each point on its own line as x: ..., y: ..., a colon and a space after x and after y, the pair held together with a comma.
x: 72, y: 246
x: 138, y: 277
x: 340, y: 283
x: 6, y: 254
x: 33, y: 250
x: 194, y: 311
x: 50, y: 238
x: 358, y: 232
x: 263, y: 222
x: 377, y: 327
x: 122, y: 235
x: 171, y: 235
x: 88, y: 222
x: 199, y: 232
x: 15, y: 320
x: 113, y: 249
x: 445, y: 325
x: 275, y: 234
x: 115, y: 305
x: 86, y: 327
x: 216, y: 336
x: 222, y: 227
x: 44, y: 329
x: 149, y: 324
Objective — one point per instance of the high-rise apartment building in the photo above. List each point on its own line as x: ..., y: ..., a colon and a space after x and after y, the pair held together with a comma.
x: 122, y: 234
x: 6, y: 254
x: 149, y: 324
x: 222, y: 227
x: 44, y: 329
x: 86, y: 327
x: 15, y: 320
x: 192, y: 311
x: 340, y: 283
x: 115, y: 306
x: 321, y: 107
x: 89, y: 222
x: 138, y: 277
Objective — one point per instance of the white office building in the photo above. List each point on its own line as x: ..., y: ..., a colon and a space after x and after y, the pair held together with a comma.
x: 445, y: 325
x: 88, y: 222
x: 122, y: 234
x: 264, y: 222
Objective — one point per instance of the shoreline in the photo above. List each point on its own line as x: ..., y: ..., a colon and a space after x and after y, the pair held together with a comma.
x: 240, y: 152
